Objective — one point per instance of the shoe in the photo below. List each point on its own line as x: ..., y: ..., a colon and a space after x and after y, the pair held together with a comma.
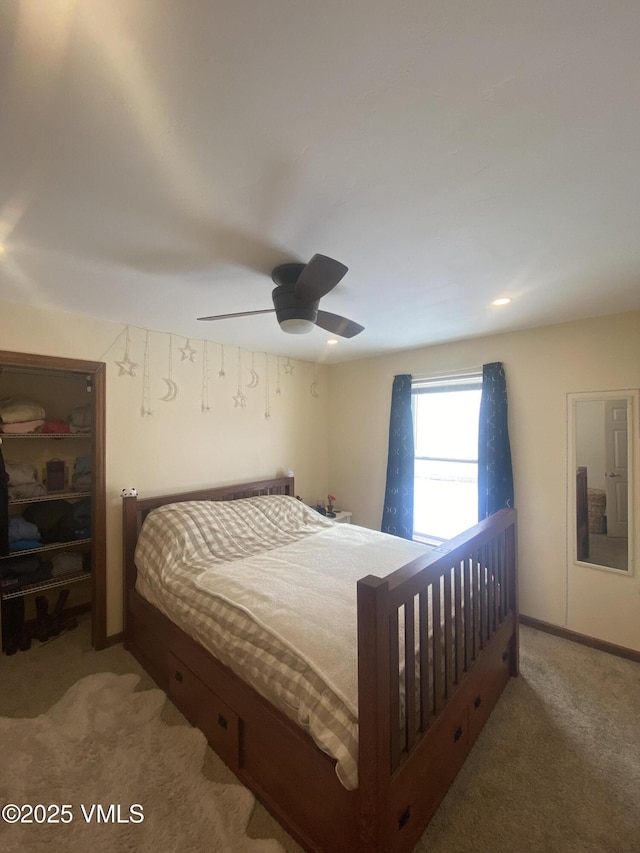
x: 56, y: 621
x: 24, y: 641
x: 12, y: 624
x: 42, y: 619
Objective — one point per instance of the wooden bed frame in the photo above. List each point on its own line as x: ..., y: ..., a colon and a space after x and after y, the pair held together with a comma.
x: 467, y: 648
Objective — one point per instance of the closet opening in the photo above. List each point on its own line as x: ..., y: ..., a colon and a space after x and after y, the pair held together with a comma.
x: 52, y: 498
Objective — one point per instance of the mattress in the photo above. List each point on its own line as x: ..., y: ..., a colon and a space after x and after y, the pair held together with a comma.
x: 268, y: 586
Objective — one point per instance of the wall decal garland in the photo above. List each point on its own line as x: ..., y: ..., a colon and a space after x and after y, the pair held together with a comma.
x: 239, y: 399
x: 255, y: 379
x: 267, y: 403
x: 278, y: 389
x: 145, y: 409
x: 172, y: 386
x: 314, y: 384
x: 188, y: 353
x: 204, y: 406
x: 127, y: 366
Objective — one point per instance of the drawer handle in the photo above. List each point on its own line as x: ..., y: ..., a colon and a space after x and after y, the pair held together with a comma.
x: 178, y: 676
x: 458, y: 734
x: 477, y: 702
x: 404, y: 818
x: 222, y: 721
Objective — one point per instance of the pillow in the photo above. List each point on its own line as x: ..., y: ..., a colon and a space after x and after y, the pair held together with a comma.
x: 193, y: 534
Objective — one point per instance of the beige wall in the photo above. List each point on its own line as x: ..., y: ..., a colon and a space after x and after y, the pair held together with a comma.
x: 542, y: 366
x: 179, y: 446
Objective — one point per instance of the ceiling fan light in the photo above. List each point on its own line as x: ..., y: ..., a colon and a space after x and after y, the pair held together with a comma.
x: 296, y: 326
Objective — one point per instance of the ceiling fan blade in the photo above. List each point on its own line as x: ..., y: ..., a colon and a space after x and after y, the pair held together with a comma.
x: 338, y: 325
x: 238, y: 314
x: 318, y: 277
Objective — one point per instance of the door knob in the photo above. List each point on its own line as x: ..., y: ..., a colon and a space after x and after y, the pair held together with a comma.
x: 614, y: 475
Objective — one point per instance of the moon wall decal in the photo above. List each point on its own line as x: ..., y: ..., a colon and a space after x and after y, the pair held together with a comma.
x: 254, y: 379
x: 172, y: 391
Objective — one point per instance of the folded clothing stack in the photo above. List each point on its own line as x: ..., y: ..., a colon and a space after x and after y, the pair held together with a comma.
x: 82, y: 474
x: 60, y: 520
x: 80, y: 419
x: 23, y: 481
x: 21, y: 415
x: 23, y: 571
x: 30, y: 568
x: 66, y: 563
x: 23, y: 534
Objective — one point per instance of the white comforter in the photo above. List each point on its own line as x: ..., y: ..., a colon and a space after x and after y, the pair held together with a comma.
x: 269, y: 586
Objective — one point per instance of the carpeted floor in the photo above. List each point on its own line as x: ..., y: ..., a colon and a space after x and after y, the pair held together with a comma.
x: 101, y: 771
x: 556, y: 769
x: 35, y: 680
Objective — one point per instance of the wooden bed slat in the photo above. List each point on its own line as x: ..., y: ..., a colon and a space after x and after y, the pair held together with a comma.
x: 410, y: 674
x: 426, y: 705
x: 394, y: 687
x: 458, y: 617
x: 477, y: 625
x: 448, y: 637
x: 468, y: 615
x: 438, y: 687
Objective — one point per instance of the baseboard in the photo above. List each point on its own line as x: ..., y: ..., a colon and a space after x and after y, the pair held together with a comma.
x: 583, y: 639
x: 114, y: 639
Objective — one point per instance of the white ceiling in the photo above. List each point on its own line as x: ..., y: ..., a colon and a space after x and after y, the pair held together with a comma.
x: 159, y: 158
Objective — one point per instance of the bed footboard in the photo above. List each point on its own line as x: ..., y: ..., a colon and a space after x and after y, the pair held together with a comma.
x: 438, y: 641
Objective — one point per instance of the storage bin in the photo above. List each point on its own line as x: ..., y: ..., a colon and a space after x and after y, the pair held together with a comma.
x: 597, y: 502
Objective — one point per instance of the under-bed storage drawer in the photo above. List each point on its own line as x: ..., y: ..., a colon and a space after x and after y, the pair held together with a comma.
x: 206, y: 711
x: 428, y: 772
x: 492, y: 676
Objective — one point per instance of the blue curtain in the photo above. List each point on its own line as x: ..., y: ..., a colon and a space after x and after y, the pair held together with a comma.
x: 495, y: 475
x: 397, y: 517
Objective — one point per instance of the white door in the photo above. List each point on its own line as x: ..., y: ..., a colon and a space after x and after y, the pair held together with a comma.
x: 617, y: 482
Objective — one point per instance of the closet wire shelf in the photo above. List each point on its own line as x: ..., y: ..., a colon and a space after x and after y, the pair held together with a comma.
x: 61, y: 580
x: 61, y: 495
x: 54, y: 546
x: 36, y: 435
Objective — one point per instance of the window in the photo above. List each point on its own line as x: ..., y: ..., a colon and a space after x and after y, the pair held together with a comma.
x: 446, y: 414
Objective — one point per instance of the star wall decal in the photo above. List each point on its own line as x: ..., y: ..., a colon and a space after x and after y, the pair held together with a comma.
x: 188, y: 352
x: 127, y: 366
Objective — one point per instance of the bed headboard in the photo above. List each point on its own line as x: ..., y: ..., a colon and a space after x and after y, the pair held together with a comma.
x: 135, y: 510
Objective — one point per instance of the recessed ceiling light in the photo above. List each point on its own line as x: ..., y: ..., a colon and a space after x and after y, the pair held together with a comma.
x: 2, y: 249
x: 502, y: 300
x: 332, y: 342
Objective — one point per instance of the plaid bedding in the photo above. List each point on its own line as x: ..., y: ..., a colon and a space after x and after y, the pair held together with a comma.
x: 221, y: 570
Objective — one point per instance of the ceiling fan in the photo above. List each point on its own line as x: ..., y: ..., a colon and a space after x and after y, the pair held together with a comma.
x: 299, y: 288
